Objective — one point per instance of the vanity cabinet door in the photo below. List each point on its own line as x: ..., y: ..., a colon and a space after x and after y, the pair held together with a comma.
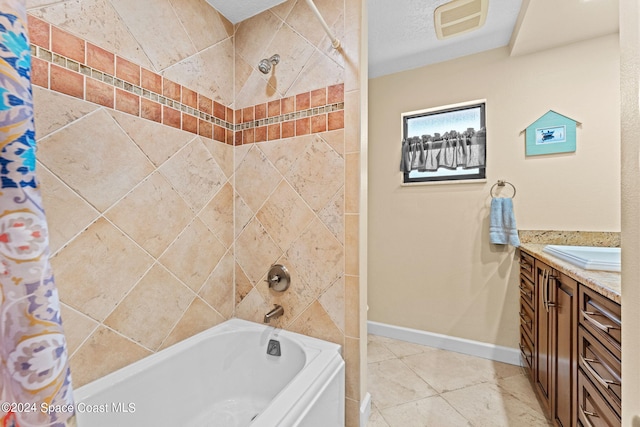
x: 563, y: 306
x: 556, y: 343
x: 543, y: 337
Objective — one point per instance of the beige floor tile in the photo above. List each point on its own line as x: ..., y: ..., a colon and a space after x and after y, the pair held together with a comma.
x: 520, y: 387
x: 377, y: 351
x: 392, y: 383
x: 430, y: 412
x: 447, y: 371
x: 489, y: 405
x: 404, y: 348
x: 376, y: 419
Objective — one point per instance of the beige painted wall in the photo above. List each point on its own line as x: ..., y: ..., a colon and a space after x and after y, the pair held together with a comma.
x: 431, y: 266
x: 630, y: 121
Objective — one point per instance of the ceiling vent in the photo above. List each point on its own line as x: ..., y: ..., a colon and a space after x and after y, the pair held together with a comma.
x: 460, y: 16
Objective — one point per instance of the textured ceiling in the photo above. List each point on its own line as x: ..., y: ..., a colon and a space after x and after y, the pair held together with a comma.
x: 402, y: 34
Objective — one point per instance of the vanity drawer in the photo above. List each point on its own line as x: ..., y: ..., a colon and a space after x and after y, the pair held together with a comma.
x: 593, y: 410
x: 526, y: 318
x: 526, y: 265
x: 601, y: 317
x: 526, y: 352
x: 601, y: 367
x: 527, y: 291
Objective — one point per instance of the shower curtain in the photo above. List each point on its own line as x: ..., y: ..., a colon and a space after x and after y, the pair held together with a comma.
x: 35, y: 380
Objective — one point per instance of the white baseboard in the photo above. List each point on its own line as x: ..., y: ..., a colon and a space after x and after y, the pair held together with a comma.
x: 445, y: 342
x: 365, y: 410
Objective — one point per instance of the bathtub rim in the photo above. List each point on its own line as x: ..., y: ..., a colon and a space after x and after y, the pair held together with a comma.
x: 326, y: 353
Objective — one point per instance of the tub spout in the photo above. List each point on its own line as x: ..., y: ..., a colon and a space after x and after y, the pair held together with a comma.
x: 276, y: 312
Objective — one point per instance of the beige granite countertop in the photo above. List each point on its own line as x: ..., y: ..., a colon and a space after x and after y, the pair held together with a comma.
x: 606, y: 283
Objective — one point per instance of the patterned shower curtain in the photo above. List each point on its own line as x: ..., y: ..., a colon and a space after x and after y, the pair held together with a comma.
x: 35, y: 380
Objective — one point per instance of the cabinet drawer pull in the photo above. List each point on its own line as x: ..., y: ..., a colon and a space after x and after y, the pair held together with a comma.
x: 588, y: 414
x: 526, y: 321
x: 522, y: 349
x: 605, y: 383
x: 526, y: 292
x: 588, y: 316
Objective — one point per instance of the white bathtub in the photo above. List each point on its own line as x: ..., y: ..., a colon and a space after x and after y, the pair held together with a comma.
x: 223, y: 377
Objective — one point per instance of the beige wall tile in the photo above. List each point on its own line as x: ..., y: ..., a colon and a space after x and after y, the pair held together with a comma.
x: 242, y: 284
x: 204, y: 25
x: 158, y: 142
x: 294, y: 53
x: 332, y: 215
x: 256, y: 251
x: 253, y: 307
x: 335, y: 139
x: 317, y: 256
x: 90, y: 156
x: 333, y: 301
x: 319, y: 71
x: 195, y: 174
x: 156, y: 27
x: 218, y: 289
x: 159, y: 216
x: 222, y: 153
x: 284, y: 215
x: 243, y: 214
x: 104, y: 352
x: 352, y: 121
x: 352, y: 183
x: 352, y: 245
x: 218, y: 215
x: 256, y: 178
x: 152, y: 308
x: 317, y: 174
x: 253, y: 36
x: 198, y: 317
x: 352, y: 306
x: 97, y: 269
x: 352, y: 373
x: 209, y: 72
x: 303, y: 20
x: 283, y: 153
x: 67, y: 212
x: 257, y: 89
x: 193, y: 255
x: 283, y: 9
x: 98, y: 22
x: 68, y: 109
x: 315, y: 322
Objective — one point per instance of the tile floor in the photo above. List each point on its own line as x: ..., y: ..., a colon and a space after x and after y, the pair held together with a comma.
x: 418, y: 386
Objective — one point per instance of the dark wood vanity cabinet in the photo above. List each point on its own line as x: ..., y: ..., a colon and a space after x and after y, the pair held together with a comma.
x: 570, y: 344
x: 556, y: 343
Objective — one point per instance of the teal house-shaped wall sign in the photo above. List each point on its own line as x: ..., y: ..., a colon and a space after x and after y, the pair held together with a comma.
x: 551, y: 133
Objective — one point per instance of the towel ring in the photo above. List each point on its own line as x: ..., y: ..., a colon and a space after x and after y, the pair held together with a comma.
x: 502, y: 183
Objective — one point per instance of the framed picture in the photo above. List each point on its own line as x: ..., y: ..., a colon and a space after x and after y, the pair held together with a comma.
x: 444, y: 144
x: 551, y: 133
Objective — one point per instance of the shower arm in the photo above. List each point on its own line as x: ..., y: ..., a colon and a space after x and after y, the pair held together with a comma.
x: 334, y: 41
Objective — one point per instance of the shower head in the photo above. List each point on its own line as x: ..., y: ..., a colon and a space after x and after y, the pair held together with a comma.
x: 265, y: 65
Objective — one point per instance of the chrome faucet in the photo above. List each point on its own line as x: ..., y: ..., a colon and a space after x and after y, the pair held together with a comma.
x: 276, y: 312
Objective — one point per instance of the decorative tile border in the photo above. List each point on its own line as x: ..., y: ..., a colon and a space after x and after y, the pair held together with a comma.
x: 68, y: 64
x: 316, y: 111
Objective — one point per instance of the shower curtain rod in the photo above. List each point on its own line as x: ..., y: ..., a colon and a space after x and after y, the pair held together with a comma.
x: 334, y: 41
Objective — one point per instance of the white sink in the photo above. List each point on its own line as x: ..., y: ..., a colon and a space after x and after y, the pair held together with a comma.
x: 587, y: 257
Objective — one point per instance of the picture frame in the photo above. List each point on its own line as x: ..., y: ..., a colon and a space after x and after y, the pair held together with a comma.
x: 552, y: 133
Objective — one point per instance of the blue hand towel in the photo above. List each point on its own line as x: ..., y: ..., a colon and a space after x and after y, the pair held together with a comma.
x: 502, y: 222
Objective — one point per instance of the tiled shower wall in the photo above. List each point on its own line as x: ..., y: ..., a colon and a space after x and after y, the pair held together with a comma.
x: 139, y: 178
